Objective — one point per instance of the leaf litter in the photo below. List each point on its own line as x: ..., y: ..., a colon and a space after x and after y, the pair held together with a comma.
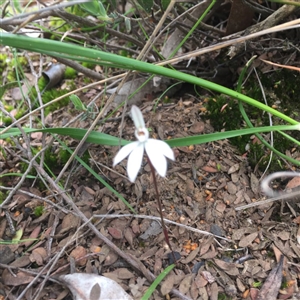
x: 203, y: 187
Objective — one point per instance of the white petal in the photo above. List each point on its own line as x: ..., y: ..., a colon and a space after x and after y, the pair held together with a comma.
x: 156, y: 157
x: 137, y: 117
x: 163, y: 148
x: 124, y: 152
x: 135, y: 161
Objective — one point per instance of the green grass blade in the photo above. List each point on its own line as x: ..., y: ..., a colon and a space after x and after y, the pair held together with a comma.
x: 105, y: 139
x: 77, y: 52
x: 18, y: 175
x: 95, y: 137
x: 201, y: 139
x: 157, y: 281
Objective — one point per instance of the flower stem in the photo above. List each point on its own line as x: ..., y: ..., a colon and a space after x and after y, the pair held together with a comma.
x: 165, y: 230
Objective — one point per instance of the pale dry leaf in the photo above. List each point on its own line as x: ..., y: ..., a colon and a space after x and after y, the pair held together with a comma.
x: 278, y: 255
x: 208, y: 276
x: 197, y: 127
x: 149, y: 253
x: 21, y: 262
x: 194, y: 290
x: 203, y: 294
x: 239, y: 233
x: 132, y: 86
x: 153, y: 230
x: 93, y: 287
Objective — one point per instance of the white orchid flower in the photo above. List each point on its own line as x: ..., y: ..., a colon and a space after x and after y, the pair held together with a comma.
x: 156, y: 150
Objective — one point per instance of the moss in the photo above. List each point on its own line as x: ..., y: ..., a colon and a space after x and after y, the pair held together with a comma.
x: 42, y: 83
x: 70, y: 73
x: 50, y: 95
x: 88, y: 65
x: 284, y: 284
x: 7, y: 121
x: 223, y: 296
x: 51, y: 159
x: 20, y: 113
x: 87, y: 80
x: 38, y: 211
x: 9, y: 64
x: 2, y: 195
x: 63, y: 156
x: 58, y: 25
x: 257, y: 284
x: 281, y: 89
x: 229, y: 118
x: 23, y: 166
x: 8, y: 108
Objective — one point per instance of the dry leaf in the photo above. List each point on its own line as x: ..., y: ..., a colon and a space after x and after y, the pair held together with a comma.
x: 77, y: 254
x: 111, y: 258
x: 186, y: 283
x: 254, y: 183
x: 38, y: 256
x: 270, y: 288
x: 229, y: 268
x: 34, y: 234
x: 191, y: 256
x: 123, y: 273
x: 115, y: 233
x: 234, y: 168
x: 153, y: 229
x: 129, y: 236
x: 19, y: 278
x: 208, y: 276
x: 93, y: 287
x: 247, y: 240
x: 69, y: 221
x: 167, y: 284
